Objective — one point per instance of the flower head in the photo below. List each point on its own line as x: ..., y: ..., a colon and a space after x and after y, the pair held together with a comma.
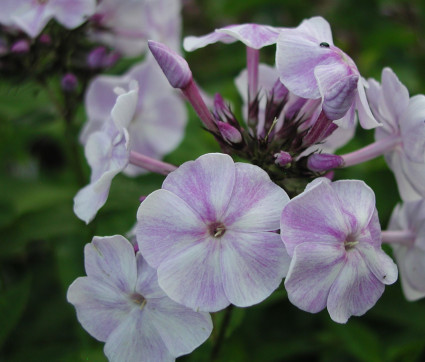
x: 311, y: 66
x: 32, y: 16
x: 403, y: 122
x: 119, y: 302
x: 407, y: 232
x: 333, y: 235
x: 211, y: 233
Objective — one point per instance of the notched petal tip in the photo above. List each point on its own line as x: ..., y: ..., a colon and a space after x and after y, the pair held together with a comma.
x: 172, y: 64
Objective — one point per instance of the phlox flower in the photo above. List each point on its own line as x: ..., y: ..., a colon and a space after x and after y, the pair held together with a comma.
x: 32, y: 16
x: 311, y: 66
x: 406, y: 235
x: 332, y: 233
x: 403, y: 131
x: 119, y: 302
x: 157, y: 125
x: 107, y: 152
x: 126, y: 25
x: 211, y: 233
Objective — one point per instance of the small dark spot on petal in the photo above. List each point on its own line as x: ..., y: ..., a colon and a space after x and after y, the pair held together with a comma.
x: 324, y: 44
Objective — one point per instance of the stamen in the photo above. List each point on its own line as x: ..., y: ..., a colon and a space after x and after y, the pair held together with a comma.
x: 350, y: 244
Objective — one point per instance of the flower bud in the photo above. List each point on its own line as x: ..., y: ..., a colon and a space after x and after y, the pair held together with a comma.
x: 279, y: 91
x: 45, y: 39
x: 69, y: 82
x: 20, y: 47
x: 282, y: 158
x: 230, y: 134
x: 172, y: 64
x: 320, y: 162
x: 96, y: 57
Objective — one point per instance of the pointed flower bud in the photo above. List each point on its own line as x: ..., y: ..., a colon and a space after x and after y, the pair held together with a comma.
x: 320, y: 162
x: 20, y: 47
x: 96, y: 56
x: 69, y: 82
x: 282, y: 158
x: 229, y: 133
x: 172, y: 64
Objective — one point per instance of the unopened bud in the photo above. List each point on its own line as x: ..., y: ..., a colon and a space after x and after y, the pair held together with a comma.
x: 20, y: 47
x: 320, y: 162
x: 172, y: 64
x: 279, y: 91
x: 45, y: 39
x: 69, y: 82
x: 282, y: 158
x: 230, y: 134
x: 96, y: 57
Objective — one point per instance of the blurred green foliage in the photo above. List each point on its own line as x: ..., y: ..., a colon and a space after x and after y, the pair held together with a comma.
x: 41, y: 241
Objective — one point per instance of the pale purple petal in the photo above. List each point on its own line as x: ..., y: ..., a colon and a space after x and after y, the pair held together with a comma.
x: 166, y: 224
x: 314, y: 215
x: 32, y: 18
x: 412, y: 127
x: 136, y: 339
x: 7, y: 8
x: 254, y: 36
x: 100, y: 306
x: 345, y: 131
x: 256, y: 202
x: 205, y: 184
x: 191, y: 43
x: 253, y: 265
x: 313, y: 270
x: 72, y: 13
x: 357, y: 200
x: 366, y: 118
x: 181, y: 329
x: 392, y: 89
x: 125, y: 106
x: 193, y: 277
x: 317, y: 27
x: 355, y: 290
x: 111, y: 260
x: 147, y: 280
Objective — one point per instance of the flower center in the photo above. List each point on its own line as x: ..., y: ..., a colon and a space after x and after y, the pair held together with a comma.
x: 41, y: 2
x: 138, y: 299
x: 348, y: 245
x: 216, y: 229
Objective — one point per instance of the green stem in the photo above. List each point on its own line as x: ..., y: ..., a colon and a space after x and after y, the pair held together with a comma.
x: 222, y: 333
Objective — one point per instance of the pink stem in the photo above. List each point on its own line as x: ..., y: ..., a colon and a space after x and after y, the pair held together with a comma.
x: 405, y: 237
x: 371, y: 151
x: 194, y: 97
x: 252, y: 60
x: 151, y: 164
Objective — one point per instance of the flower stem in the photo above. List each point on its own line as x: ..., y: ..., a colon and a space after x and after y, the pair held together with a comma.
x: 252, y: 60
x: 371, y: 151
x: 222, y: 333
x: 404, y: 237
x: 151, y: 164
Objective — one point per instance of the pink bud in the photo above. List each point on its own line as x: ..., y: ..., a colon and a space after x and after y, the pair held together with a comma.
x: 45, y: 39
x: 282, y: 158
x: 172, y: 64
x: 69, y: 82
x: 96, y: 57
x: 20, y: 47
x: 320, y: 162
x: 230, y: 134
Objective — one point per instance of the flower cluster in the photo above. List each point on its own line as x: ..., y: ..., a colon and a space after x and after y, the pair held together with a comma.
x: 218, y: 232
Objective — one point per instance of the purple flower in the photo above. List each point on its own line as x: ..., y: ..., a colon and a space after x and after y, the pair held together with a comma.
x: 332, y: 233
x: 311, y: 67
x: 107, y: 152
x: 126, y: 25
x: 406, y: 235
x: 211, y: 233
x: 120, y: 303
x: 403, y: 129
x: 31, y: 16
x: 157, y: 126
x: 254, y: 36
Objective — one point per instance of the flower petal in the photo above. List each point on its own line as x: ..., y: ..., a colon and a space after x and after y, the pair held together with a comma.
x: 366, y: 118
x: 181, y: 328
x: 412, y: 126
x: 165, y: 225
x: 252, y: 35
x: 314, y: 268
x: 256, y: 202
x: 111, y: 260
x: 355, y: 290
x: 313, y: 216
x: 101, y: 307
x: 191, y: 43
x: 206, y: 184
x: 136, y: 339
x: 193, y: 278
x: 253, y: 265
x: 73, y: 13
